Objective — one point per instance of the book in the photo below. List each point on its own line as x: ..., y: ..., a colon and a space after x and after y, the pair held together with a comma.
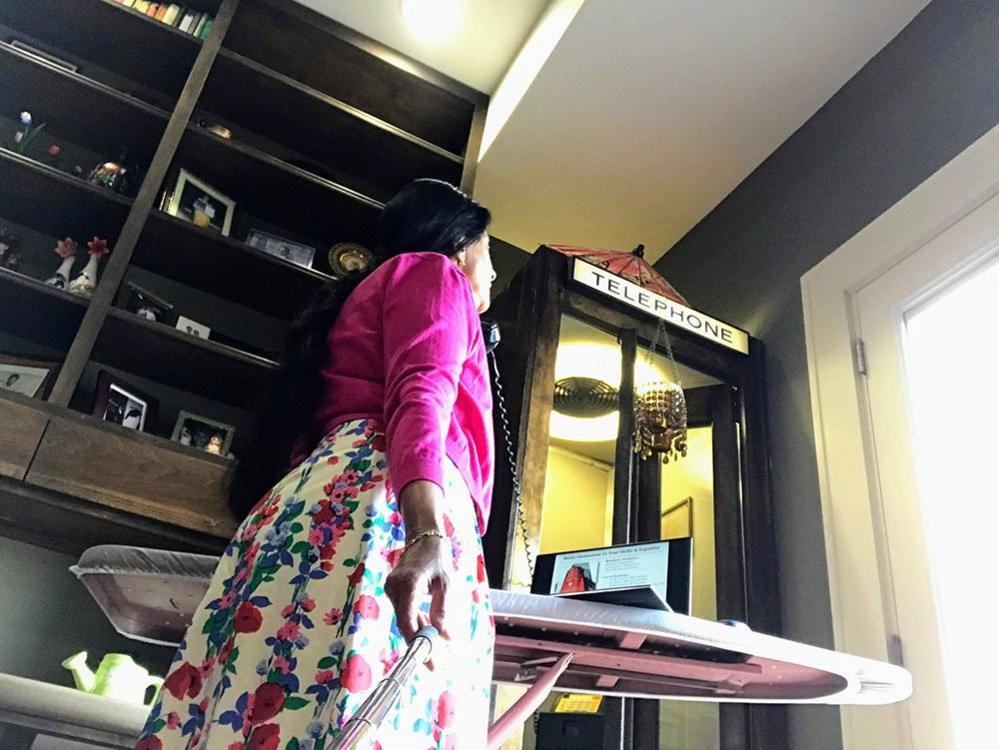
x: 151, y: 10
x: 208, y: 28
x: 201, y: 24
x: 171, y: 14
x: 141, y: 6
x: 181, y: 12
x: 185, y: 25
x: 161, y: 11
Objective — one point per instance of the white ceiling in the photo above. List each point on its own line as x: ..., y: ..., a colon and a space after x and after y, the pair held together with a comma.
x: 648, y: 112
x: 477, y: 55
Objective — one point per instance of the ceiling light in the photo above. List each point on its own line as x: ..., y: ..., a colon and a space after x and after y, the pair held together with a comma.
x: 599, y: 362
x: 433, y: 20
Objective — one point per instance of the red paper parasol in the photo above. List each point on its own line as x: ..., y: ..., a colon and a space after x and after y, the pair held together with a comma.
x: 631, y: 266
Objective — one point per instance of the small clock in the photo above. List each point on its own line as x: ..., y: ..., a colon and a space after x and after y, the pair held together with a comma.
x: 349, y: 257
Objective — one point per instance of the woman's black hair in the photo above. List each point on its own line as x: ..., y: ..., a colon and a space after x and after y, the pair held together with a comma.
x: 425, y: 216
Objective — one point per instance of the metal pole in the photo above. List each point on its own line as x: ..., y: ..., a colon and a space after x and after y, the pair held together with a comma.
x: 386, y: 693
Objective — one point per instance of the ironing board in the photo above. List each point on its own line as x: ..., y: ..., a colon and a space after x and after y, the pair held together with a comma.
x: 151, y: 595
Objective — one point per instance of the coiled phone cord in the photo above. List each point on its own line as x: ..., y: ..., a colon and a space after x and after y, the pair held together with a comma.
x: 504, y: 419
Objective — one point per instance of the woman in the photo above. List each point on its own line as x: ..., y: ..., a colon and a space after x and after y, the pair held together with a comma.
x: 384, y: 404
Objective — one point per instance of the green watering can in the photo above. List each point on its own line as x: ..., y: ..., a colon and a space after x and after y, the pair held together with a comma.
x: 117, y: 676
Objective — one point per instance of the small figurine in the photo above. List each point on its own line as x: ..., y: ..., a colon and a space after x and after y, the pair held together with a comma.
x: 84, y: 284
x: 53, y: 159
x: 26, y: 134
x: 108, y: 175
x: 121, y: 176
x: 66, y: 249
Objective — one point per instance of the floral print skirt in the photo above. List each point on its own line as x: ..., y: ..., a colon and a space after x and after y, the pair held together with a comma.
x: 296, y: 629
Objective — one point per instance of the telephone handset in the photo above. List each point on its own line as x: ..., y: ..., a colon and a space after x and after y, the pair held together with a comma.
x: 491, y: 337
x: 490, y: 334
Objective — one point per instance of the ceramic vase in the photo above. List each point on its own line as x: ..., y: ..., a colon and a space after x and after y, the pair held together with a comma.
x: 60, y: 279
x: 83, y: 285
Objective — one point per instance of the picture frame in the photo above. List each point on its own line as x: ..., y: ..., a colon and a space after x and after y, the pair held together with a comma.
x: 193, y: 328
x: 677, y: 521
x: 121, y: 403
x: 203, y: 433
x: 33, y: 51
x: 197, y: 202
x: 279, y: 247
x: 33, y: 378
x: 147, y: 305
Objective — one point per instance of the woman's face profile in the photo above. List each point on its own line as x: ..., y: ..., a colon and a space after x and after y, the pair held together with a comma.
x: 475, y: 262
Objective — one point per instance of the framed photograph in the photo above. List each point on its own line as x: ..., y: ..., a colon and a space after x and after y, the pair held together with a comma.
x: 193, y: 327
x: 201, y: 204
x: 29, y: 377
x: 42, y: 55
x: 678, y: 520
x: 204, y: 433
x: 121, y: 403
x: 293, y: 252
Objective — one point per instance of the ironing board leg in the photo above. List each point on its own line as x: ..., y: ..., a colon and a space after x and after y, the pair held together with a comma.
x: 527, y: 704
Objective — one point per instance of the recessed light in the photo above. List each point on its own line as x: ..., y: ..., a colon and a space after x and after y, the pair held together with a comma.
x: 433, y: 20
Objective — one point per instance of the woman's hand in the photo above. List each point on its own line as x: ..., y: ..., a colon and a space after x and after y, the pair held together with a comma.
x: 426, y: 566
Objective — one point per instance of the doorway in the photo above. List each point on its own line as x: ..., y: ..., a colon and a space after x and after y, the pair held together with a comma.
x: 899, y: 375
x: 928, y: 373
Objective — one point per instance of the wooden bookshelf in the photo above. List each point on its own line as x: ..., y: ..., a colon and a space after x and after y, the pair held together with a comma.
x: 326, y: 126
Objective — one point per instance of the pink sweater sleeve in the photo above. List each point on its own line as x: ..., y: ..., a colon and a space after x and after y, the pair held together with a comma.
x: 428, y: 310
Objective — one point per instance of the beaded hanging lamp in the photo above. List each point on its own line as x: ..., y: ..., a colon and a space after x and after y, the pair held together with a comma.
x: 660, y: 406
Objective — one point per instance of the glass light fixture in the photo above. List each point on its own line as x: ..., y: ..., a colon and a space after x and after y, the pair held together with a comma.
x: 433, y: 20
x: 601, y: 362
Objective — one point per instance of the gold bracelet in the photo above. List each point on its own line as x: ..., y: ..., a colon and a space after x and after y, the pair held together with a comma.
x: 423, y: 535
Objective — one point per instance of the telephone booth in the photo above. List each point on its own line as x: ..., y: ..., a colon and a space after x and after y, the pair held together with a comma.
x: 586, y: 335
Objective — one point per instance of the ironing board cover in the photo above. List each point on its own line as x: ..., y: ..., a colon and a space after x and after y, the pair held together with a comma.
x: 151, y: 595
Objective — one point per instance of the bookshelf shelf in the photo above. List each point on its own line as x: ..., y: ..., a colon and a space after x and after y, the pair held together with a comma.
x: 279, y: 192
x: 331, y: 58
x: 222, y: 266
x: 373, y: 156
x: 158, y: 352
x: 109, y: 35
x: 58, y: 96
x: 48, y: 199
x: 33, y: 310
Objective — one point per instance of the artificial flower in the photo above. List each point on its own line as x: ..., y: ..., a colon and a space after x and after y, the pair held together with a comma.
x: 54, y: 150
x: 98, y: 246
x: 66, y: 248
x: 26, y: 118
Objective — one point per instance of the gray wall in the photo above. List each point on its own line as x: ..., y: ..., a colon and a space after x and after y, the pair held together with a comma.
x: 922, y: 100
x: 47, y: 615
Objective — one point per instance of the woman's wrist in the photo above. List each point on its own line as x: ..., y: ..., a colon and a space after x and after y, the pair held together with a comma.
x: 420, y: 503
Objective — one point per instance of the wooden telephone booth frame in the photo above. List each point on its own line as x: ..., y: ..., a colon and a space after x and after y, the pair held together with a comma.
x: 529, y: 314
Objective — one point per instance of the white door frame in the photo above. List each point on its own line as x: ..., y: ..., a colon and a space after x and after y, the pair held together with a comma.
x: 859, y: 574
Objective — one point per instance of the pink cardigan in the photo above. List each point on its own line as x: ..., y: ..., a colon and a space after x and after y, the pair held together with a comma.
x: 407, y: 352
